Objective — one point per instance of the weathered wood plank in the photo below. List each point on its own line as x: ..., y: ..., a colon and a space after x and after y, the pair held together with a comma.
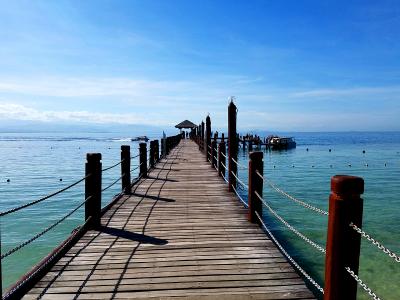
x: 180, y: 234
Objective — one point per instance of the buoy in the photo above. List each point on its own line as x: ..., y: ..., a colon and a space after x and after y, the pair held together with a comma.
x: 385, y: 164
x: 366, y: 165
x: 349, y: 165
x: 274, y: 167
x: 307, y: 149
x: 60, y: 179
x: 293, y: 166
x: 330, y: 150
x: 312, y: 166
x: 8, y: 180
x: 364, y: 151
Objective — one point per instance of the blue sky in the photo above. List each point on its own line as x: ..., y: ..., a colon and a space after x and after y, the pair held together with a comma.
x: 292, y: 65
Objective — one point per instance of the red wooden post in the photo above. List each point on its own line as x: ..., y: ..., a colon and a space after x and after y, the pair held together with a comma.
x: 93, y: 189
x: 221, y: 157
x: 343, y: 243
x: 208, y: 139
x: 126, y: 168
x: 143, y: 159
x: 255, y: 185
x: 232, y: 145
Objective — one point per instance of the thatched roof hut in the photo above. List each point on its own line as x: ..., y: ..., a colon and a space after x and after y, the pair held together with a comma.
x: 186, y: 125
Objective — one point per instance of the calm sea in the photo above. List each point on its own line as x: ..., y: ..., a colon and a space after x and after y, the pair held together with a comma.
x: 37, y: 164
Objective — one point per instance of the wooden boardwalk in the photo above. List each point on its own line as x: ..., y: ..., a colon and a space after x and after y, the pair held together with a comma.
x: 180, y: 234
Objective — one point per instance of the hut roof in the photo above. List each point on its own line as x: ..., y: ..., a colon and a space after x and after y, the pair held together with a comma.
x: 185, y: 124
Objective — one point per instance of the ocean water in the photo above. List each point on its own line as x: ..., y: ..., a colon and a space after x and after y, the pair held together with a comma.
x: 35, y: 163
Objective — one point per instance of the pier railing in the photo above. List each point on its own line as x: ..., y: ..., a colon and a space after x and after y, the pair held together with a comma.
x: 146, y: 160
x: 344, y: 224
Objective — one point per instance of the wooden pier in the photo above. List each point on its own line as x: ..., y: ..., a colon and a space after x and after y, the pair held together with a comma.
x: 179, y: 234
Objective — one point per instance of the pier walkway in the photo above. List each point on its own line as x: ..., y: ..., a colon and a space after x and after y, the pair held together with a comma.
x: 179, y: 234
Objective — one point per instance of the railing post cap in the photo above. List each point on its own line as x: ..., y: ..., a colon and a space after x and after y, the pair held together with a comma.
x: 93, y: 157
x: 254, y: 155
x: 346, y: 184
x: 125, y: 147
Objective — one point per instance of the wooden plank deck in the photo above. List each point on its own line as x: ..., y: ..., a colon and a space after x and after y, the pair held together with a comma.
x: 180, y: 234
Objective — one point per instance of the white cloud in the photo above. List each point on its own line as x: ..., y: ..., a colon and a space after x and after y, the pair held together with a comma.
x: 366, y: 91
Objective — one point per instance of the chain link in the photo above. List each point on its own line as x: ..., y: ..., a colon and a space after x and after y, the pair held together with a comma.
x: 114, y: 182
x: 375, y: 242
x: 224, y: 166
x: 239, y: 164
x: 362, y: 284
x: 241, y: 182
x: 301, y: 270
x: 240, y: 198
x: 294, y: 230
x: 113, y: 166
x: 35, y: 237
x: 302, y: 203
x: 43, y: 198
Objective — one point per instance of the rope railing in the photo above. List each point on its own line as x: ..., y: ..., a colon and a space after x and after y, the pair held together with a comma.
x: 302, y: 203
x: 240, y: 198
x: 224, y: 166
x: 362, y: 284
x: 223, y: 154
x: 294, y: 263
x: 113, y: 166
x: 136, y: 156
x: 368, y: 237
x: 240, y: 181
x: 35, y: 237
x: 294, y: 230
x: 15, y: 209
x: 113, y: 183
x: 239, y: 164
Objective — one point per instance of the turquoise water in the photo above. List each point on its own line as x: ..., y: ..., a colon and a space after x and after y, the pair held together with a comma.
x: 306, y: 176
x: 34, y: 163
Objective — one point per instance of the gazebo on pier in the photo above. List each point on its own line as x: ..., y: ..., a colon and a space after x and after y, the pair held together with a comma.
x: 186, y: 125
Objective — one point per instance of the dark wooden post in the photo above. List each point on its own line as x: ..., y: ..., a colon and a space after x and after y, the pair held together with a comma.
x: 202, y: 136
x: 152, y: 154
x: 143, y: 159
x: 343, y: 243
x: 232, y: 145
x: 250, y: 145
x: 93, y: 189
x: 1, y: 270
x: 157, y: 151
x: 163, y: 147
x: 221, y: 157
x: 214, y: 151
x: 208, y: 139
x: 255, y: 185
x: 126, y: 168
x: 244, y: 143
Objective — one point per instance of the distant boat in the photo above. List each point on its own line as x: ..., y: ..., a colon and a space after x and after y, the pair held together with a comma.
x: 282, y: 143
x: 140, y: 138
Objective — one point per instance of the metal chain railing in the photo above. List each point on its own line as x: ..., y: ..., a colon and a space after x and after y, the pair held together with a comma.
x: 239, y: 164
x: 240, y: 198
x: 240, y: 181
x: 35, y: 237
x: 113, y: 166
x: 294, y: 230
x: 362, y: 284
x: 113, y: 183
x: 302, y: 203
x: 375, y: 242
x: 301, y: 270
x: 48, y: 260
x: 15, y: 209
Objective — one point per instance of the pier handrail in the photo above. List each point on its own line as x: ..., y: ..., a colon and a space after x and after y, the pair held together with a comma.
x: 92, y: 203
x: 15, y: 209
x: 336, y: 287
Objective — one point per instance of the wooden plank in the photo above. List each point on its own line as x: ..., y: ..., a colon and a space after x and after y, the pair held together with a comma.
x: 179, y: 235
